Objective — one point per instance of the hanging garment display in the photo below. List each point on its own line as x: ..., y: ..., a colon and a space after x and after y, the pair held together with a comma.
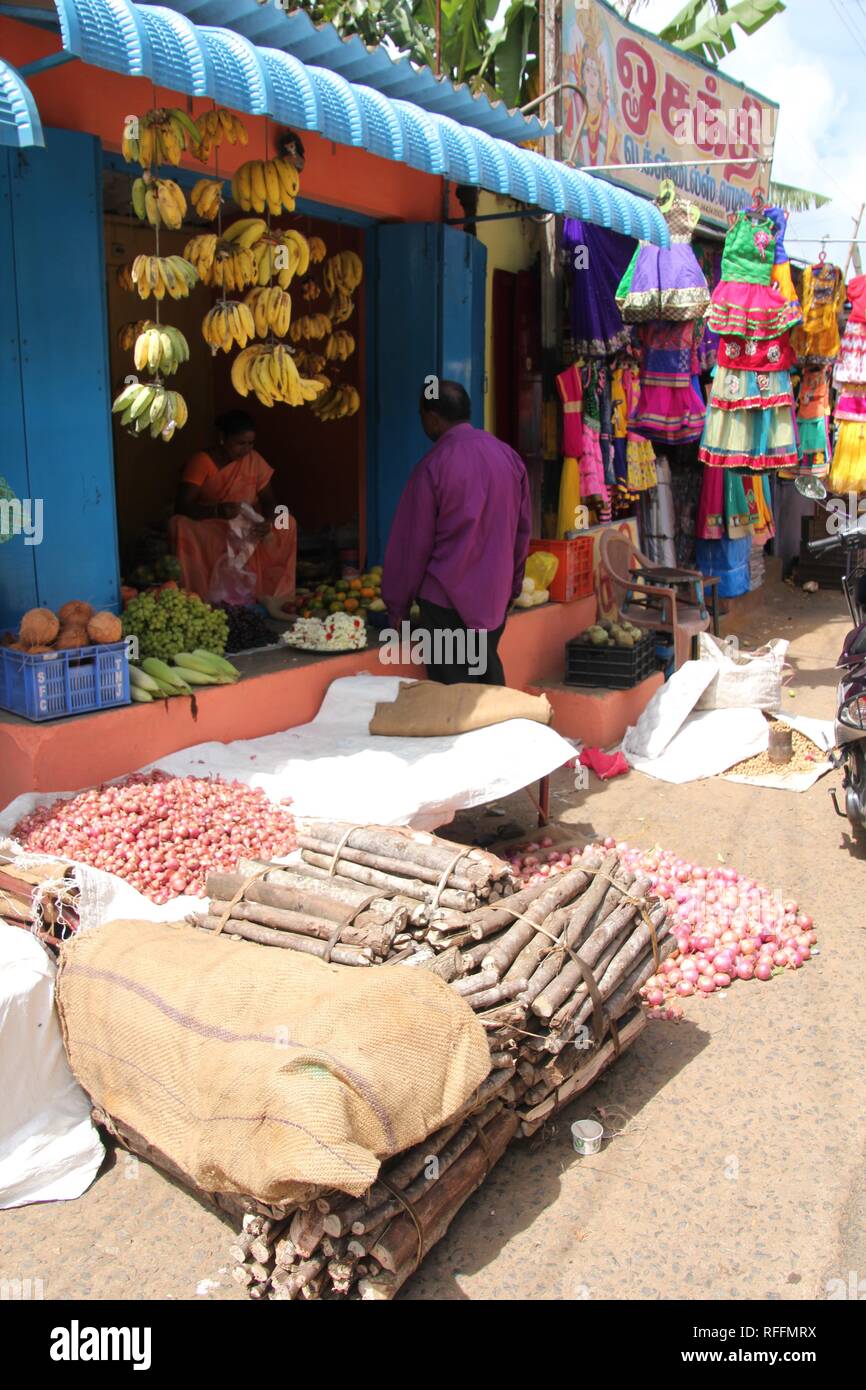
x: 750, y: 422
x: 657, y: 524
x: 670, y: 409
x: 569, y: 497
x: 745, y: 303
x: 781, y: 273
x: 666, y: 282
x: 640, y: 455
x: 848, y: 471
x: 723, y: 509
x: 595, y: 259
x: 570, y: 387
x: 816, y: 339
x: 813, y: 424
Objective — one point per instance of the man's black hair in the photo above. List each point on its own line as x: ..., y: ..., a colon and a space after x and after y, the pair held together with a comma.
x: 451, y: 402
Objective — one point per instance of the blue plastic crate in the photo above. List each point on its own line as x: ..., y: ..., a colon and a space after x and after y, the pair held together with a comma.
x: 49, y: 685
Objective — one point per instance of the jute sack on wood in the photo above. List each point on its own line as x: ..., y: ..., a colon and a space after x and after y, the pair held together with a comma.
x: 262, y: 1071
x: 429, y: 710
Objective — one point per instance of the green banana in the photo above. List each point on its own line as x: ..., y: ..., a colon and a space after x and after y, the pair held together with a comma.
x: 140, y: 695
x: 188, y: 124
x: 143, y: 400
x: 126, y: 397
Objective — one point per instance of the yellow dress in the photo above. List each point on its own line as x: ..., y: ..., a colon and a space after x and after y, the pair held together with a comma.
x: 823, y: 297
x: 569, y: 498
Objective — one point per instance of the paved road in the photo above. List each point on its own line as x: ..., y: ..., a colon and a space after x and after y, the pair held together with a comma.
x: 736, y: 1170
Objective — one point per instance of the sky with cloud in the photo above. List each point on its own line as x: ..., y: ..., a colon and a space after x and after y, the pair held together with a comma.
x: 812, y: 60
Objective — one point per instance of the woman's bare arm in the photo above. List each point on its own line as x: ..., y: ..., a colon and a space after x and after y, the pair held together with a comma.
x: 189, y: 504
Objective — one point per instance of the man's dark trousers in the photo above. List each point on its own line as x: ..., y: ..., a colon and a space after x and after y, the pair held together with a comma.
x: 444, y: 621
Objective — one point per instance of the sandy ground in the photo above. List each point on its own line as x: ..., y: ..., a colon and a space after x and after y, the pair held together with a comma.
x: 734, y: 1169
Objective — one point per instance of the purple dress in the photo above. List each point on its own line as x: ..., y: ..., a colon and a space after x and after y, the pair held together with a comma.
x: 665, y: 282
x: 596, y: 259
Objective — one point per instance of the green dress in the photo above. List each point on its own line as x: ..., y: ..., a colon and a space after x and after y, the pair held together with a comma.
x: 749, y: 250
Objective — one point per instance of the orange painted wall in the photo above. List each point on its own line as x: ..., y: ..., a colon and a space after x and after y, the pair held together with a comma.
x: 79, y: 97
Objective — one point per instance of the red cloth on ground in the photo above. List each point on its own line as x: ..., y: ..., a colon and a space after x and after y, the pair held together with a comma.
x: 604, y: 765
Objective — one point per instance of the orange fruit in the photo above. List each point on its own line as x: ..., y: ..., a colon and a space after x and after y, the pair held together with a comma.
x: 350, y: 605
x: 368, y: 592
x: 354, y: 583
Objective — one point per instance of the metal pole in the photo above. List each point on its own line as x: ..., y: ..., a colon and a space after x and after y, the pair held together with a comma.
x: 551, y: 275
x: 676, y: 164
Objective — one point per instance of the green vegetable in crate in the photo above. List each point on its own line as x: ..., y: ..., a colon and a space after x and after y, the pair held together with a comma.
x: 172, y: 621
x: 597, y: 636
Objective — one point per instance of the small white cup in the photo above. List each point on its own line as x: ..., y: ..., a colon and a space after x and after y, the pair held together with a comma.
x: 586, y: 1136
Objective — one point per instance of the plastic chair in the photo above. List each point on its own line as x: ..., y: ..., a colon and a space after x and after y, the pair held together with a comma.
x: 655, y: 598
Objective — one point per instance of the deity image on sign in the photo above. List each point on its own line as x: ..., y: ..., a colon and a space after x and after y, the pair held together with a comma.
x: 589, y: 63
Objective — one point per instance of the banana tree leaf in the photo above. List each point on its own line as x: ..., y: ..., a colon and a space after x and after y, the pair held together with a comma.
x: 786, y: 195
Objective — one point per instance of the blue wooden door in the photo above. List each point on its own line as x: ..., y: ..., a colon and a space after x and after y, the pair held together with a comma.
x: 426, y: 319
x: 17, y: 558
x: 64, y: 387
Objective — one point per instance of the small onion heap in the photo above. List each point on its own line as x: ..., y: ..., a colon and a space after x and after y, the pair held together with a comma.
x: 727, y: 926
x: 162, y: 834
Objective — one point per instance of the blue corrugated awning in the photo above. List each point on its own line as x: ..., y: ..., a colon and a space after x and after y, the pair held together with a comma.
x: 270, y: 26
x: 20, y: 125
x: 158, y: 43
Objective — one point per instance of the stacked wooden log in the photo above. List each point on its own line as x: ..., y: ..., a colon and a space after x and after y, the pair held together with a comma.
x: 359, y: 896
x: 38, y: 897
x: 553, y: 973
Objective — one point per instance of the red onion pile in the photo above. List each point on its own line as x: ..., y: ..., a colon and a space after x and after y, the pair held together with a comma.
x: 727, y: 926
x: 162, y: 834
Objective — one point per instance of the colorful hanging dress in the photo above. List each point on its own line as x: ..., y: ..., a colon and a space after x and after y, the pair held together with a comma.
x: 597, y: 259
x: 670, y: 410
x: 816, y: 339
x: 666, y: 282
x: 745, y: 303
x: 848, y: 473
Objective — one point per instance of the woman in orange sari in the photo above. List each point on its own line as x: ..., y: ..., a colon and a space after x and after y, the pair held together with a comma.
x: 213, y: 486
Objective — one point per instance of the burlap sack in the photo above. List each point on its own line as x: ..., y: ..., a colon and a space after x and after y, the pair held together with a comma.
x: 428, y: 709
x: 263, y: 1071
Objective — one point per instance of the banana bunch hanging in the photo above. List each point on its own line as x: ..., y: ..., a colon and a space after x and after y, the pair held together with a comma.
x: 310, y: 326
x: 158, y: 201
x: 160, y: 136
x: 130, y: 331
x: 216, y: 126
x: 123, y: 276
x: 150, y: 405
x: 228, y: 262
x: 163, y: 275
x: 337, y: 402
x: 341, y: 307
x: 228, y: 323
x: 207, y: 197
x: 318, y: 250
x: 339, y: 346
x: 271, y: 374
x: 344, y: 271
x: 280, y: 256
x: 310, y: 363
x: 160, y: 348
x: 272, y: 310
x: 268, y: 183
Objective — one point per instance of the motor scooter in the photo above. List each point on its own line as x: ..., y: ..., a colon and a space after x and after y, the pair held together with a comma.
x: 850, y: 753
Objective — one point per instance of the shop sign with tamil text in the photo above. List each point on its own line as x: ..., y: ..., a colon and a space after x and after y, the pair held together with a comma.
x: 648, y: 103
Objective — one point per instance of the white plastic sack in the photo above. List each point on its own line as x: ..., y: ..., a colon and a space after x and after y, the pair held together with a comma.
x: 667, y: 711
x: 49, y: 1148
x: 708, y: 743
x: 742, y: 680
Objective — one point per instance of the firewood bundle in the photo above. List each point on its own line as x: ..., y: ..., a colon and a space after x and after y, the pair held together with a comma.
x: 553, y: 973
x: 359, y: 896
x: 40, y: 898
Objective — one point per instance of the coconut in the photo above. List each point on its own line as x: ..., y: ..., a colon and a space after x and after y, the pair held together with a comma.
x: 75, y: 613
x: 70, y: 637
x: 38, y: 628
x: 105, y: 627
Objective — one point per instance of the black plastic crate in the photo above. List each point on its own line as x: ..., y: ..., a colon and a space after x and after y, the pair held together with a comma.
x: 614, y: 668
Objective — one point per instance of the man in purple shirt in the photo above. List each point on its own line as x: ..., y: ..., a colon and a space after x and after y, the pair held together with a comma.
x: 459, y: 542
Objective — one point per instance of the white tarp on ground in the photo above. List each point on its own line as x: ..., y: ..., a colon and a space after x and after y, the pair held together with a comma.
x: 49, y: 1148
x: 674, y: 741
x: 334, y: 768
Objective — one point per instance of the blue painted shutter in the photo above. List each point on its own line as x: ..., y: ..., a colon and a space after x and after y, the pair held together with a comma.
x: 426, y: 318
x: 64, y: 386
x: 17, y: 560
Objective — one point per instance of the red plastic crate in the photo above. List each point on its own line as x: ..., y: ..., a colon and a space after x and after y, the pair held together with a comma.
x: 573, y: 578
